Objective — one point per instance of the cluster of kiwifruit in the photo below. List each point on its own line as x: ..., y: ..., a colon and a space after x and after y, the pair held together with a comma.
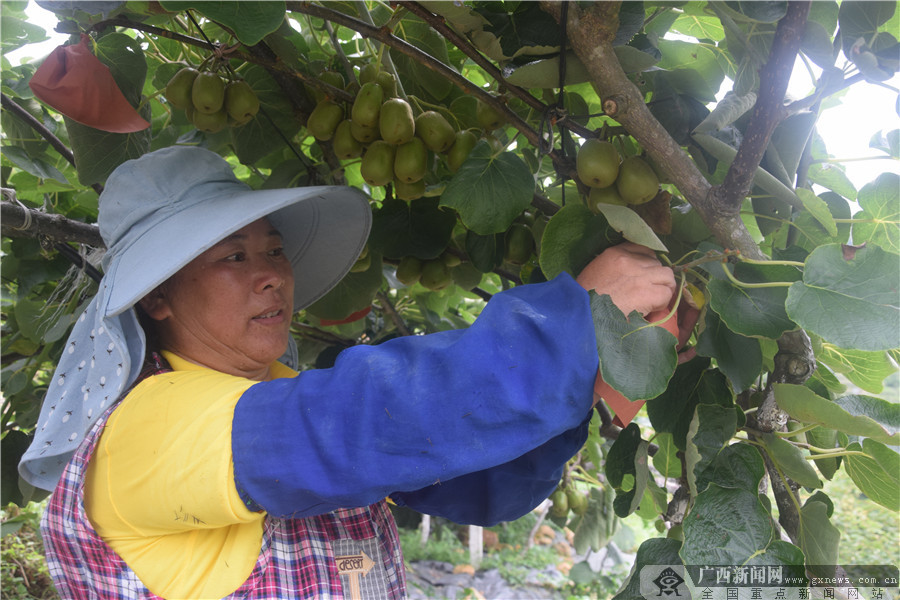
x: 380, y: 127
x: 210, y: 102
x: 631, y: 181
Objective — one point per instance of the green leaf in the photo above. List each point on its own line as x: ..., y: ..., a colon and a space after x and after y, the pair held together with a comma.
x: 878, y: 220
x: 754, y: 312
x: 868, y: 370
x: 592, y: 531
x: 770, y: 11
x: 822, y: 437
x: 738, y: 465
x: 666, y: 459
x: 636, y: 359
x: 354, y: 293
x: 256, y: 139
x: 544, y: 73
x: 418, y: 79
x: 489, y: 191
x: 693, y: 383
x: 790, y: 460
x: 37, y: 166
x: 419, y: 228
x: 653, y: 552
x: 632, y: 227
x: 627, y: 469
x: 15, y: 33
x: 877, y: 475
x: 691, y: 69
x: 98, y: 153
x: 710, y: 430
x: 819, y: 538
x: 883, y: 412
x: 726, y: 526
x: 818, y: 208
x: 125, y: 59
x: 862, y: 18
x: 250, y: 21
x: 833, y: 177
x: 572, y: 238
x: 738, y: 356
x: 485, y: 251
x: 806, y: 406
x: 849, y: 301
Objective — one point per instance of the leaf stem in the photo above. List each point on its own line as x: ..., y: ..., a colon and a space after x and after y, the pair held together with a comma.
x: 737, y: 282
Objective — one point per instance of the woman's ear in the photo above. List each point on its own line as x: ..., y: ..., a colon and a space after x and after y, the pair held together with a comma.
x: 155, y: 304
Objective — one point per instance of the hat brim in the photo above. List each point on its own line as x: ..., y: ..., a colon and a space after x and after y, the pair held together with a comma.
x: 324, y: 230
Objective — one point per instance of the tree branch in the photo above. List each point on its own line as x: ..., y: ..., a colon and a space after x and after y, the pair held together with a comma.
x: 769, y: 110
x: 19, y: 221
x: 22, y: 114
x: 463, y: 44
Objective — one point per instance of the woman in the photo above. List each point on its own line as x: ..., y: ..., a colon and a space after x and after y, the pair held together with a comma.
x: 221, y: 472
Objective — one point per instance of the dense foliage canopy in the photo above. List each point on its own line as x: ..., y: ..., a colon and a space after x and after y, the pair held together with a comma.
x: 504, y: 143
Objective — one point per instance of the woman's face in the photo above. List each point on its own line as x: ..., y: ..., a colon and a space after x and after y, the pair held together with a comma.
x: 230, y: 308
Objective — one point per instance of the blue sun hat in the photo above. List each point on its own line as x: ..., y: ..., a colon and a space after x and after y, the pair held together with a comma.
x: 157, y: 213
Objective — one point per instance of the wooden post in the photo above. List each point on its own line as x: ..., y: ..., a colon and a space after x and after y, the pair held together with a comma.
x: 476, y: 545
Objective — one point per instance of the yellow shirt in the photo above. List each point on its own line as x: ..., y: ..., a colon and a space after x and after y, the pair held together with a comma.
x: 160, y: 486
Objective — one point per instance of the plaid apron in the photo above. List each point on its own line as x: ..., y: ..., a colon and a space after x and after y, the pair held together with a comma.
x: 348, y: 553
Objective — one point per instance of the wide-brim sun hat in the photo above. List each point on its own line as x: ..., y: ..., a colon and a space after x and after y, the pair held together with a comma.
x: 157, y: 213
x: 160, y: 211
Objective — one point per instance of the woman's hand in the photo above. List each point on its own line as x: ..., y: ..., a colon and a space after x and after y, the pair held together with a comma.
x: 632, y: 276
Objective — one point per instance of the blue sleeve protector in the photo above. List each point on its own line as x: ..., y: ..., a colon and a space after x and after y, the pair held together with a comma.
x: 473, y: 424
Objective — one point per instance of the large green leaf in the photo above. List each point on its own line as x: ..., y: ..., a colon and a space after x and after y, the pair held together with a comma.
x: 872, y: 418
x: 790, y: 460
x: 98, y: 153
x: 753, y: 311
x: 419, y: 228
x: 738, y: 465
x: 726, y: 526
x: 490, y: 190
x: 877, y: 474
x: 250, y: 21
x: 819, y: 538
x: 692, y: 69
x: 693, y: 383
x: 627, y: 469
x: 572, y: 238
x: 636, y: 358
x: 738, y: 356
x: 848, y: 296
x: 861, y: 19
x: 710, y: 430
x: 878, y: 221
x: 868, y: 370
